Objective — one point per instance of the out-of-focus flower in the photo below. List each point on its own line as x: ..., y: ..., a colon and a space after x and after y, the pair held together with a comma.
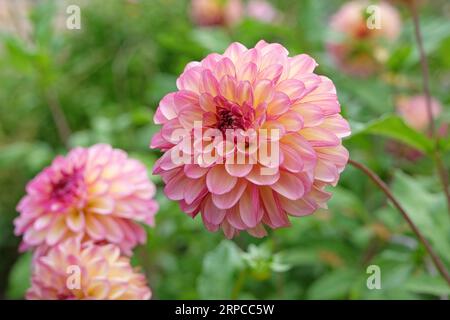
x: 360, y: 28
x: 14, y: 16
x: 216, y: 12
x: 414, y: 111
x: 262, y: 10
x: 98, y: 193
x: 229, y: 109
x: 73, y: 270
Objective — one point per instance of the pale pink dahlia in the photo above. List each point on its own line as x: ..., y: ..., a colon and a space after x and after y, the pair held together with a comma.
x: 262, y: 10
x: 98, y: 193
x: 223, y: 173
x: 414, y: 111
x: 361, y: 30
x: 73, y: 270
x: 367, y: 19
x: 216, y: 12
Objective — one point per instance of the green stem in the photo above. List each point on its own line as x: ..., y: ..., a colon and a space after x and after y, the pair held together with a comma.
x: 441, y: 170
x: 380, y: 183
x: 238, y: 285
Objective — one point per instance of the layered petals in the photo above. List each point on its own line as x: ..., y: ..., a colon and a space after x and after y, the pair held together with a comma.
x: 97, y: 193
x: 268, y: 142
x: 73, y: 270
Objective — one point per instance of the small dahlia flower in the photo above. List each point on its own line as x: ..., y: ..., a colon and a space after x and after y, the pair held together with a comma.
x: 261, y: 10
x: 73, y: 270
x: 414, y: 111
x: 216, y: 12
x: 13, y: 16
x: 218, y: 128
x: 360, y: 29
x: 98, y: 193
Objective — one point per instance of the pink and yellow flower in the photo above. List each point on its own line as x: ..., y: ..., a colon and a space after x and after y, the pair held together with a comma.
x: 216, y: 12
x: 97, y: 193
x: 262, y: 10
x: 75, y: 270
x: 414, y: 111
x: 361, y: 31
x: 247, y: 91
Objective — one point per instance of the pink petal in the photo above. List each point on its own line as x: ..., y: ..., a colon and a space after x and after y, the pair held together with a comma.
x: 263, y: 91
x: 238, y: 170
x: 249, y: 207
x: 194, y: 190
x: 326, y: 171
x: 301, y: 64
x: 94, y: 227
x: 211, y: 213
x: 279, y: 104
x: 75, y: 221
x: 257, y: 178
x: 312, y: 115
x: 298, y: 207
x: 56, y: 231
x: 291, y: 87
x: 319, y: 137
x: 210, y: 83
x: 244, y: 93
x: 219, y: 181
x: 289, y: 185
x: 229, y: 199
x: 235, y: 51
x: 247, y: 72
x: 190, y: 80
x: 277, y: 218
x: 224, y: 67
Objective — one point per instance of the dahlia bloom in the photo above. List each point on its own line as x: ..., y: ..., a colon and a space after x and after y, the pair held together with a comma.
x: 414, y: 111
x: 216, y: 12
x: 73, y: 270
x: 247, y: 101
x: 261, y: 10
x: 98, y: 193
x: 359, y: 35
x: 13, y: 16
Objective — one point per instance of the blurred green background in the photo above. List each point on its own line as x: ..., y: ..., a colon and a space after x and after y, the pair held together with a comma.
x: 108, y: 78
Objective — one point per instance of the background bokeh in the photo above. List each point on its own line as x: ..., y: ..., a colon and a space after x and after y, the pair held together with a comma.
x: 108, y: 78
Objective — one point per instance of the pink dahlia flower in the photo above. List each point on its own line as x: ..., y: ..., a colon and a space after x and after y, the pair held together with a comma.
x: 98, y: 193
x: 228, y: 111
x: 361, y: 28
x: 261, y: 10
x: 353, y: 19
x: 216, y: 12
x: 73, y: 270
x: 414, y: 111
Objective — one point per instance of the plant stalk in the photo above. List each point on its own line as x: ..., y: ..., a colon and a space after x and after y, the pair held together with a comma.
x: 382, y: 185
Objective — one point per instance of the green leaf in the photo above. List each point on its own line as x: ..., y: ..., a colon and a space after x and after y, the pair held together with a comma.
x: 427, y: 284
x: 445, y: 144
x: 212, y: 39
x: 19, y: 278
x: 427, y: 210
x: 333, y: 285
x: 392, y: 126
x: 219, y: 268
